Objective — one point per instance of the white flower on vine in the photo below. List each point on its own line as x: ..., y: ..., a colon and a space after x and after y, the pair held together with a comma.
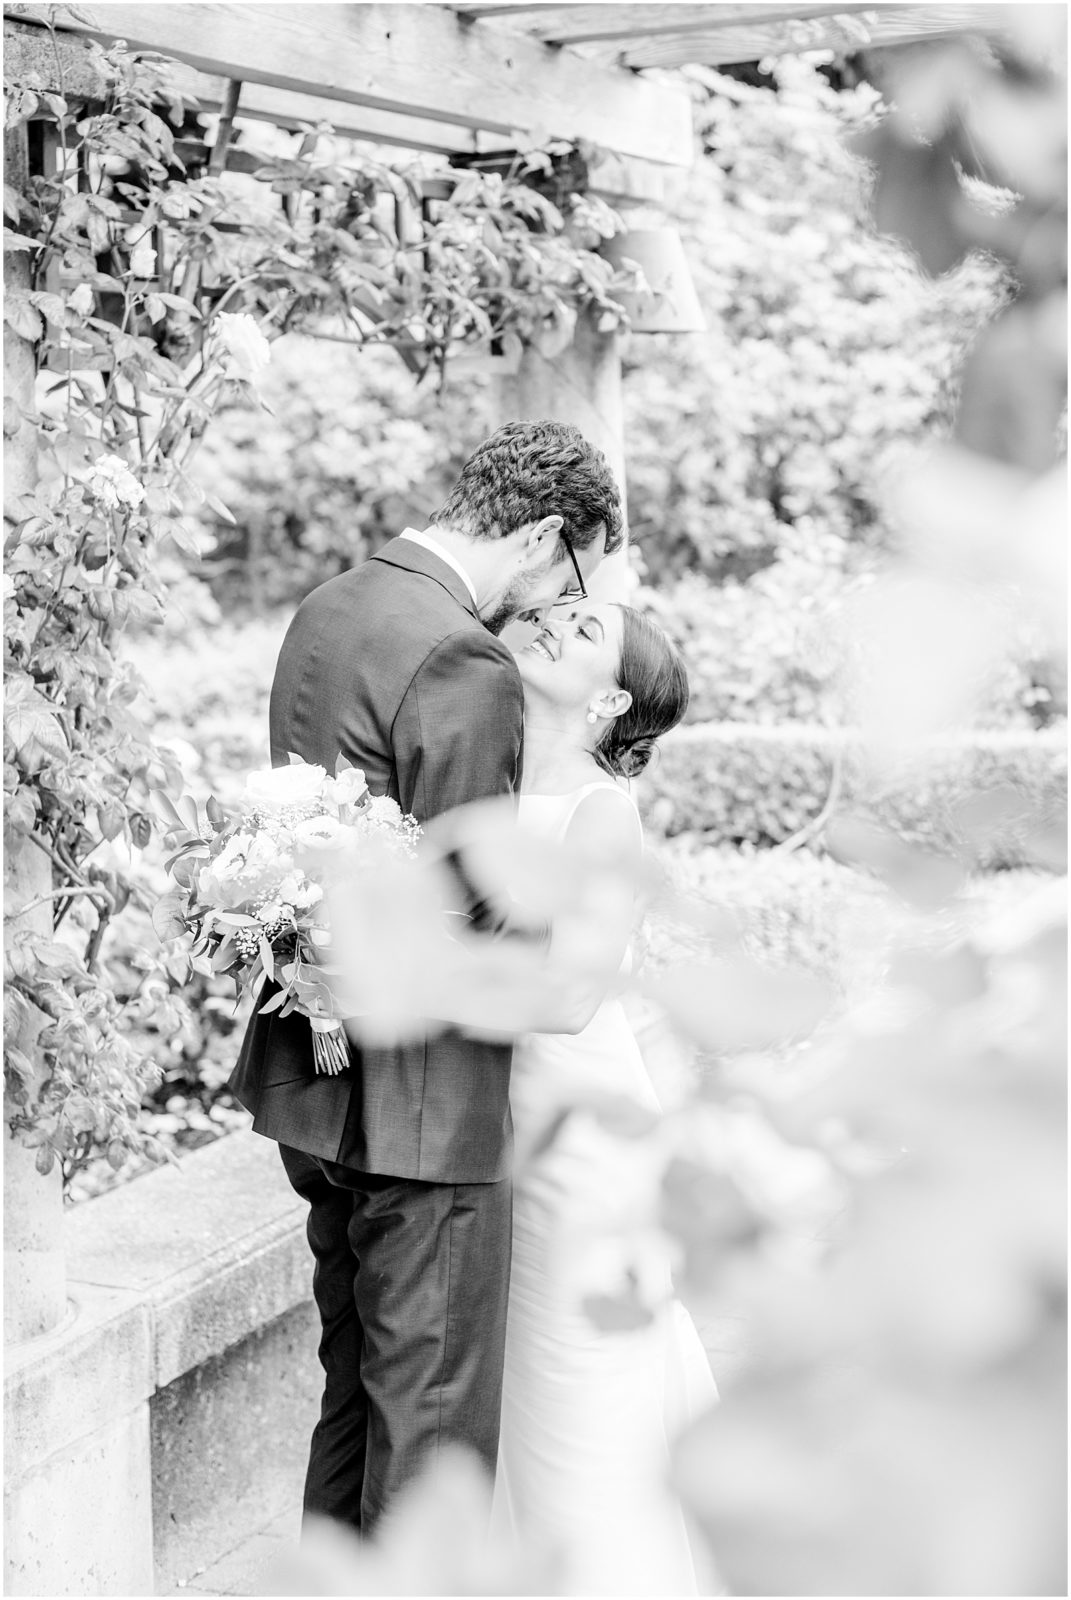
x: 239, y: 346
x: 82, y: 299
x: 143, y: 259
x: 111, y: 481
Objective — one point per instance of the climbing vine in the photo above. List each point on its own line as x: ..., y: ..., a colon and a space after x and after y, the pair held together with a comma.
x: 153, y: 281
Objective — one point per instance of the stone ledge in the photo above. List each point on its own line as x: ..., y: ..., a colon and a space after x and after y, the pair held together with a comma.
x: 163, y: 1274
x: 75, y: 1381
x: 214, y: 1247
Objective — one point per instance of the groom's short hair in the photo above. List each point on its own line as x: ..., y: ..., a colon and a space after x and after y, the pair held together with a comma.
x: 529, y: 470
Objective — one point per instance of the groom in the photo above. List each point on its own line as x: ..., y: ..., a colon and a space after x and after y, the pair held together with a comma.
x: 404, y: 1160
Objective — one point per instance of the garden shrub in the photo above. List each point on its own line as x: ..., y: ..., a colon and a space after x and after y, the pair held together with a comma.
x: 750, y: 784
x: 349, y: 452
x: 785, y: 909
x: 799, y: 909
x: 825, y: 343
x: 206, y: 703
x: 776, y: 647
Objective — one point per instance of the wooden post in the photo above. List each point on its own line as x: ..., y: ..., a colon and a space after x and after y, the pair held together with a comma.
x: 582, y: 385
x: 35, y: 1289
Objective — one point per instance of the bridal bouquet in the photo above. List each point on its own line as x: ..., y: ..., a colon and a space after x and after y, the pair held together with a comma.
x: 250, y: 887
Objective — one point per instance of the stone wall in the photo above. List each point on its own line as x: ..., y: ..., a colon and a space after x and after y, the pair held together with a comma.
x: 168, y: 1415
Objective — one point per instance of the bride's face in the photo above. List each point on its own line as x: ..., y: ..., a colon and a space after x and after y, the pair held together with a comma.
x: 575, y: 656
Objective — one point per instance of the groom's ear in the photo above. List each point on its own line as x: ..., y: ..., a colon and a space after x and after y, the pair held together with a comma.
x: 544, y: 533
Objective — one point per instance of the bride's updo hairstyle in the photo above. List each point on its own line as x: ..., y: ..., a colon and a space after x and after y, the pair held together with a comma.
x: 653, y: 672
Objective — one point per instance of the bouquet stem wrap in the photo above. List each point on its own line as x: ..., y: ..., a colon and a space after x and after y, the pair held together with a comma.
x: 330, y: 1050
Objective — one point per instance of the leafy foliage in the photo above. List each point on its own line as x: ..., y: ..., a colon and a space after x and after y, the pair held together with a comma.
x: 346, y: 453
x: 149, y: 293
x: 826, y: 344
x: 758, y: 449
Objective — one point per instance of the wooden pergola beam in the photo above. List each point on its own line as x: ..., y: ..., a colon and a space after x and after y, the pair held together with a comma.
x: 874, y: 28
x: 584, y: 24
x: 667, y: 36
x: 423, y: 61
x: 65, y: 65
x: 287, y: 108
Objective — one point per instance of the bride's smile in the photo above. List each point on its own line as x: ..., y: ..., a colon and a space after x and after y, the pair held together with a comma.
x: 573, y: 660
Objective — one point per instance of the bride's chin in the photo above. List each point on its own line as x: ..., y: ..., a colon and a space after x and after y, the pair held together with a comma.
x: 528, y: 664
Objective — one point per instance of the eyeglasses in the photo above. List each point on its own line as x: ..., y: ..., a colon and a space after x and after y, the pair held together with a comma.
x: 575, y: 591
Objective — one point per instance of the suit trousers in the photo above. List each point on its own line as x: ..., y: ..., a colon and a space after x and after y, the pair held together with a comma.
x: 411, y: 1281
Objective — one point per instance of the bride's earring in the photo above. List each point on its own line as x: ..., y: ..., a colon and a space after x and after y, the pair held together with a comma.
x: 593, y: 715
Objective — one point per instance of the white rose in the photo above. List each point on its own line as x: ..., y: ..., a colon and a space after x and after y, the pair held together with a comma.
x: 211, y: 891
x: 239, y: 346
x: 231, y: 858
x: 143, y: 259
x: 384, y: 811
x: 219, y: 879
x: 275, y: 911
x: 82, y: 299
x: 291, y: 888
x: 321, y: 833
x: 347, y: 788
x: 111, y: 482
x: 311, y: 895
x: 267, y: 857
x: 277, y: 787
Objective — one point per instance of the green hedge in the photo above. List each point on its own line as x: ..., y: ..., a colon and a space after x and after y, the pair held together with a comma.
x: 741, y: 783
x: 800, y: 909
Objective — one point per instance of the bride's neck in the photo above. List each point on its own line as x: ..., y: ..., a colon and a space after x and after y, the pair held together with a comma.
x: 555, y: 754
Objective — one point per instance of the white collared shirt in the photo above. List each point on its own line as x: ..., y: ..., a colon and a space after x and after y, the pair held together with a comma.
x: 437, y: 549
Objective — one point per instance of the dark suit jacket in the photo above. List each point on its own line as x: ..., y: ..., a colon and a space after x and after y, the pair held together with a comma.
x: 390, y: 664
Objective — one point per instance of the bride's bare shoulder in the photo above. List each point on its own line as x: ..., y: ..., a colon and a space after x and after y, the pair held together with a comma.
x: 605, y: 816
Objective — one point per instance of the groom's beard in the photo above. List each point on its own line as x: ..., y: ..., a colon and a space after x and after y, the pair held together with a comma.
x: 499, y: 618
x: 515, y: 600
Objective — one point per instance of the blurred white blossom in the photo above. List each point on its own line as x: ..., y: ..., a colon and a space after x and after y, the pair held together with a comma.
x: 239, y: 346
x: 112, y: 483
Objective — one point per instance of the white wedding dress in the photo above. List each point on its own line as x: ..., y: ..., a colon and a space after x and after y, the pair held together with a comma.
x: 589, y: 1416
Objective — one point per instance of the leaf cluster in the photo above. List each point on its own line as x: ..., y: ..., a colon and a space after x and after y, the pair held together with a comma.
x: 128, y: 253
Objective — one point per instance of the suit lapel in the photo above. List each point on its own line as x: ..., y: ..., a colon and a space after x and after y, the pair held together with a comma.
x: 412, y: 557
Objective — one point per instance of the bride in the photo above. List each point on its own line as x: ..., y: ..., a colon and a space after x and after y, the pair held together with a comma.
x: 588, y: 1416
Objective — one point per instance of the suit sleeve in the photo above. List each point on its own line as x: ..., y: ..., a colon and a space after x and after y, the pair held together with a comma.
x: 457, y: 735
